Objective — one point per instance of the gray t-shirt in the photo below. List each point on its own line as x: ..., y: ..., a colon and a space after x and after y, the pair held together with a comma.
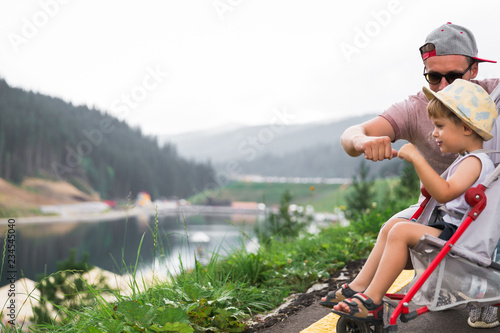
x: 410, y: 122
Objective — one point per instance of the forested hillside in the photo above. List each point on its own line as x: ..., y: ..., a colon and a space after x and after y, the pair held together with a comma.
x: 45, y: 136
x: 326, y: 160
x: 298, y: 150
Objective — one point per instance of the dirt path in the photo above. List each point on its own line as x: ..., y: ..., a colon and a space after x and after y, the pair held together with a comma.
x: 300, y: 320
x: 437, y: 322
x: 305, y: 310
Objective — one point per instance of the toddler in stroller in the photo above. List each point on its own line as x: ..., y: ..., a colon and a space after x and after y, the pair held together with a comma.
x: 463, y: 115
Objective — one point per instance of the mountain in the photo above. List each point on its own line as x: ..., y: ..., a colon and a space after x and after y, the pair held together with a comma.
x: 305, y: 150
x: 45, y: 136
x: 247, y: 142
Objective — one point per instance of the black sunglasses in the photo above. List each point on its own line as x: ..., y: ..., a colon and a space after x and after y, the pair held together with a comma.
x: 435, y: 78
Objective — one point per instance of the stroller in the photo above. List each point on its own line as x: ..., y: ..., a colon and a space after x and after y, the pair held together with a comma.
x: 448, y: 273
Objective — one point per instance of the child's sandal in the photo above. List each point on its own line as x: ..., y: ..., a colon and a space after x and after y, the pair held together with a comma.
x: 335, y: 297
x: 366, y: 311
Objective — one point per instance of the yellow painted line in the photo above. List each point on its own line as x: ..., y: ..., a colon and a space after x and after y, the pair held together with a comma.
x: 328, y: 324
x: 403, y: 279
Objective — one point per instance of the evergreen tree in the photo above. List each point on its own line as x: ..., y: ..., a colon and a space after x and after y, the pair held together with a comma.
x: 41, y: 135
x: 409, y: 187
x: 362, y: 192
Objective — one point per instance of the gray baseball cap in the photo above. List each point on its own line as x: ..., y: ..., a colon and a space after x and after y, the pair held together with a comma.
x: 451, y: 39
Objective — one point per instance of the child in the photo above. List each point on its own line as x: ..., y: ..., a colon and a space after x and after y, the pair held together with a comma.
x: 463, y: 115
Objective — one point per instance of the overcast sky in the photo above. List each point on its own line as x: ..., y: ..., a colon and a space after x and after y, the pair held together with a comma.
x: 175, y: 66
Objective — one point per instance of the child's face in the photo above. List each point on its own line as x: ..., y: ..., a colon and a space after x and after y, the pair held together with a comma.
x: 449, y: 135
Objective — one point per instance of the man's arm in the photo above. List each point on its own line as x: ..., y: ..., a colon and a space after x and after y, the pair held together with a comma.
x: 372, y: 138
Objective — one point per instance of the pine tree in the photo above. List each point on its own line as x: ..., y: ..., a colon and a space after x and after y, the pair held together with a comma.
x: 362, y: 193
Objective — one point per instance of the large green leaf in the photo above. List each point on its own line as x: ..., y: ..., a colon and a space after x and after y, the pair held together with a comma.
x: 172, y: 315
x: 173, y: 327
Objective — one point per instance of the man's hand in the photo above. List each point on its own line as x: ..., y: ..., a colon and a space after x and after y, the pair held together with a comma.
x: 375, y: 148
x: 372, y: 138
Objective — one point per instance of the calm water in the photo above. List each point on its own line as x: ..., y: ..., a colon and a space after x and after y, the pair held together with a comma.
x: 113, y: 244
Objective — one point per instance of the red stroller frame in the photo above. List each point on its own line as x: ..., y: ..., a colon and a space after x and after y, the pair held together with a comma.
x: 476, y: 198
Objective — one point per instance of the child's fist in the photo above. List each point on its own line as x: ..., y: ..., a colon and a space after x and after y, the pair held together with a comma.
x: 407, y: 152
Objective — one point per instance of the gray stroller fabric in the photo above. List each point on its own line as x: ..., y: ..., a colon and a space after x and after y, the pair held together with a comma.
x: 482, y: 236
x: 456, y: 280
x: 462, y: 276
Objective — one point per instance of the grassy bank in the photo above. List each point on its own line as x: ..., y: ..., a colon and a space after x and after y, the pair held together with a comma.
x: 220, y: 296
x: 268, y: 193
x: 223, y: 294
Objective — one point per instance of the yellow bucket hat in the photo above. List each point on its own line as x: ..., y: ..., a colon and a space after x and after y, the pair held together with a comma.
x: 471, y: 103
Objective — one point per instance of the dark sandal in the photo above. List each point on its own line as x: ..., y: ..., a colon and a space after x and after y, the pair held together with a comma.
x: 366, y: 311
x: 335, y: 297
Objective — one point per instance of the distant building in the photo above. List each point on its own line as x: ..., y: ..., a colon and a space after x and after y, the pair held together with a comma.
x: 244, y: 205
x: 143, y: 199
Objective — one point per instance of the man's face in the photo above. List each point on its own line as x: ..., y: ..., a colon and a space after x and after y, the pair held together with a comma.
x: 449, y: 64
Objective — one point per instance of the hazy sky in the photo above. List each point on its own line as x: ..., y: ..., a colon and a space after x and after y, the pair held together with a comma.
x: 174, y: 66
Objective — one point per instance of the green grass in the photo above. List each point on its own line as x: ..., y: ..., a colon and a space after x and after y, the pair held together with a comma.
x: 326, y: 202
x: 269, y: 193
x: 324, y: 197
x: 7, y: 212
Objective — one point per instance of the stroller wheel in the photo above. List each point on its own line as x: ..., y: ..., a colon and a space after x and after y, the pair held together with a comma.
x: 348, y: 325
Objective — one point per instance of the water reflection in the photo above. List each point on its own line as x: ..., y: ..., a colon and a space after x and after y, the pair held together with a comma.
x: 114, y: 245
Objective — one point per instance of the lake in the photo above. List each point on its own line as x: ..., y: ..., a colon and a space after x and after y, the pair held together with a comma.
x: 114, y: 244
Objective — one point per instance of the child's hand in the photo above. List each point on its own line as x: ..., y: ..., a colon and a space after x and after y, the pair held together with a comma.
x: 407, y: 152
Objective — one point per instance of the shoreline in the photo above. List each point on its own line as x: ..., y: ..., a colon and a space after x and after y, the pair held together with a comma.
x: 90, y: 217
x: 141, y: 212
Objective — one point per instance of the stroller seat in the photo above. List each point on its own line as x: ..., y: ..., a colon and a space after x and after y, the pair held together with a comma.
x: 461, y: 270
x: 460, y: 278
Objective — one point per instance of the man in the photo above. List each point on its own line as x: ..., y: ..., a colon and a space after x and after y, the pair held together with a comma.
x: 449, y: 53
